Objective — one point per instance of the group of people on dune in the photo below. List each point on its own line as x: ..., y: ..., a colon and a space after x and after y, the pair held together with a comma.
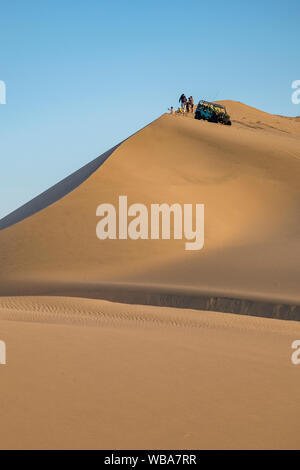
x: 186, y: 105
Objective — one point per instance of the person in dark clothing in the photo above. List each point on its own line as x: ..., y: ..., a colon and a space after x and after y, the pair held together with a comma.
x: 183, y: 101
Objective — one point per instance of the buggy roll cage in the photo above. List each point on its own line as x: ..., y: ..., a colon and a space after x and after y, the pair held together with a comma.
x: 215, y: 105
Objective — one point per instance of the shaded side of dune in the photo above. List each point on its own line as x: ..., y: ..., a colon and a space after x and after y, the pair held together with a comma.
x: 158, y: 296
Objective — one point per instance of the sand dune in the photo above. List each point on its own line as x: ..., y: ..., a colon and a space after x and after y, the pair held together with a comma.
x: 85, y: 373
x: 248, y: 178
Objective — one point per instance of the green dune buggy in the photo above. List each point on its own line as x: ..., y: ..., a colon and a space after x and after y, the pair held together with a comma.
x: 212, y: 112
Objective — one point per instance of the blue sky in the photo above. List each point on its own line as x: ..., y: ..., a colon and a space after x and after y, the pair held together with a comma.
x: 81, y: 75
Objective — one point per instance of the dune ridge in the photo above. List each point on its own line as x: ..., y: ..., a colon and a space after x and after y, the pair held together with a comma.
x: 58, y: 191
x: 161, y: 296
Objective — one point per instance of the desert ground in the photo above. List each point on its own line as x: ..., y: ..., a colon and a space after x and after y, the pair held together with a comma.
x: 97, y: 354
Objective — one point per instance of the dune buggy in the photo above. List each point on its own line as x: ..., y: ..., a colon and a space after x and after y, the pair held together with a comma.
x: 212, y: 112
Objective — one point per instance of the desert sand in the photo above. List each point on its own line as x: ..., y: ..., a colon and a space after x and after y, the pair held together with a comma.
x: 83, y: 372
x: 87, y: 373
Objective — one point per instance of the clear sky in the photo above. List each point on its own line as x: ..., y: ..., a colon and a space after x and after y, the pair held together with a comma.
x: 81, y: 75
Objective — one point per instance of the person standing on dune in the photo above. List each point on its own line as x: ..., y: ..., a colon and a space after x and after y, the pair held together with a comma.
x: 191, y: 103
x: 183, y: 101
